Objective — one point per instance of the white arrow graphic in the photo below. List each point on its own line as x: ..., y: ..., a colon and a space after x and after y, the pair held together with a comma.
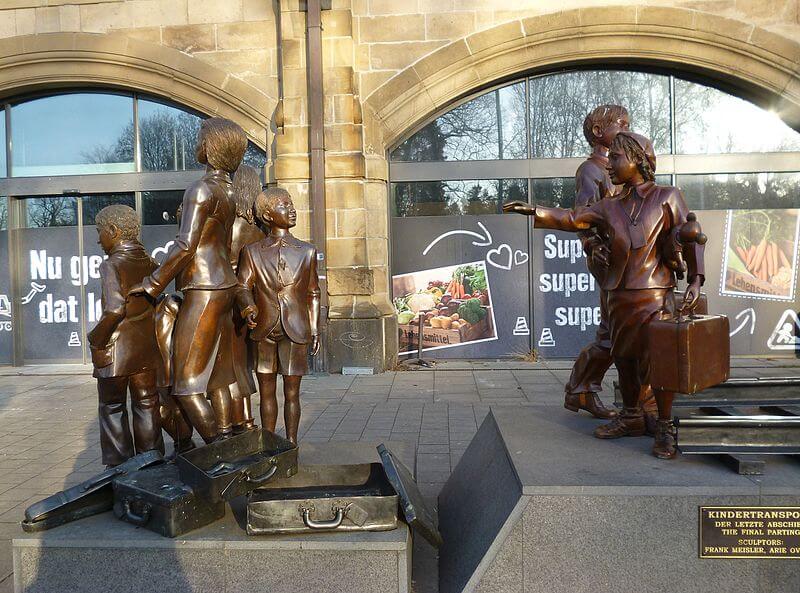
x: 483, y: 240
x: 747, y: 316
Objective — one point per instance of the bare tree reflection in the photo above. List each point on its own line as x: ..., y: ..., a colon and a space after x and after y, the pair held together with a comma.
x: 450, y: 198
x: 491, y: 126
x: 167, y: 138
x: 55, y: 211
x: 559, y: 103
x: 747, y: 191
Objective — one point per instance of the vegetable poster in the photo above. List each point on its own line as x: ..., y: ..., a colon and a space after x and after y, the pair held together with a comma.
x: 452, y: 306
x: 760, y: 254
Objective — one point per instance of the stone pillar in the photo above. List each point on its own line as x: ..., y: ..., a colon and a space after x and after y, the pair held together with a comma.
x: 362, y: 329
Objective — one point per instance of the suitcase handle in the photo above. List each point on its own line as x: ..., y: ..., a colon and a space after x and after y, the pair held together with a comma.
x: 246, y: 477
x: 330, y: 524
x: 265, y: 477
x: 136, y: 519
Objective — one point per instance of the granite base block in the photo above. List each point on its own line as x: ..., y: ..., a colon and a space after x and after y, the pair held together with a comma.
x: 102, y: 553
x: 578, y: 515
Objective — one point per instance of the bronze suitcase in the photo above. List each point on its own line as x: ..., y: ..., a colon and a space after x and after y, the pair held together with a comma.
x: 361, y: 497
x: 225, y: 469
x: 689, y: 354
x: 158, y: 500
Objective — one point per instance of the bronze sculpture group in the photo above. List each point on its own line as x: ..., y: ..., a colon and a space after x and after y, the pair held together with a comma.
x: 251, y: 299
x: 188, y: 360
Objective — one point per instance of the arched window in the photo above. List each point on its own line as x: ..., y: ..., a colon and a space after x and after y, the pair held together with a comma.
x: 64, y: 157
x: 736, y: 162
x: 720, y: 147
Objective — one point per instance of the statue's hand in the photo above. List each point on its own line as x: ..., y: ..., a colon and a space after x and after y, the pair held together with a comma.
x: 600, y: 255
x: 249, y: 315
x: 314, y: 345
x: 691, y: 297
x: 519, y: 208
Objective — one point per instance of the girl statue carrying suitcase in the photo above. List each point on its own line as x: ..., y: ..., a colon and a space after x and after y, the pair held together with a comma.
x: 643, y: 221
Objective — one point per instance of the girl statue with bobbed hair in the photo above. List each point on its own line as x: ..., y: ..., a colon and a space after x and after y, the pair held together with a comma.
x: 640, y: 220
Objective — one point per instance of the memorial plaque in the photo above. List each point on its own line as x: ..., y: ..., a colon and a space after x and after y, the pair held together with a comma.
x: 749, y: 532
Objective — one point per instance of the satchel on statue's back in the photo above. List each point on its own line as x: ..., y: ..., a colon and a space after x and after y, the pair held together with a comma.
x: 689, y: 353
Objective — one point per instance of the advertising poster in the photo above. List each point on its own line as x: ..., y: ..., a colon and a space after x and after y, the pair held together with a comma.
x: 761, y: 254
x: 60, y: 290
x: 566, y: 309
x: 471, y: 257
x: 455, y: 303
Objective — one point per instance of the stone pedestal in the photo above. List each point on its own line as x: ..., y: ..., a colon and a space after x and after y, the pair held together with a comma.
x: 538, y: 505
x: 102, y: 553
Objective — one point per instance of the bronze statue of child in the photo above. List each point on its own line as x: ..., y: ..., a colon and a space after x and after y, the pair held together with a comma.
x: 640, y: 279
x: 199, y: 262
x: 123, y: 343
x: 279, y: 297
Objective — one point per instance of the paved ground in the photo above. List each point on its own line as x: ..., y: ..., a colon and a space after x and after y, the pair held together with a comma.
x: 49, y: 437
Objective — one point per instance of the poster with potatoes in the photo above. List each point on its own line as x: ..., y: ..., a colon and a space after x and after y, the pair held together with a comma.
x: 761, y: 254
x: 452, y: 306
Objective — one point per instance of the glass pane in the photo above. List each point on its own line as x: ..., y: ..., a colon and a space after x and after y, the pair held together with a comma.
x: 491, y: 126
x: 560, y: 191
x: 555, y: 192
x: 93, y: 254
x: 160, y: 223
x: 91, y: 205
x: 709, y: 121
x: 6, y: 323
x: 168, y: 137
x: 72, y: 135
x: 444, y: 198
x: 741, y: 191
x: 560, y: 102
x: 160, y: 207
x: 255, y: 157
x: 50, y: 280
x: 3, y: 164
x: 51, y: 211
x: 511, y: 113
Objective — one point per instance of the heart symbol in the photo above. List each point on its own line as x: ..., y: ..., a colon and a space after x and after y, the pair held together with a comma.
x: 520, y: 257
x: 503, y: 251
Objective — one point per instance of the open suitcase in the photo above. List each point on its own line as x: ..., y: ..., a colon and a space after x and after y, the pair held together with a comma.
x: 229, y: 468
x: 91, y: 497
x: 158, y: 500
x: 361, y: 497
x: 689, y: 354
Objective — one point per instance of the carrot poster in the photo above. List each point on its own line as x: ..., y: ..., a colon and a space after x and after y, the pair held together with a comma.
x: 761, y: 254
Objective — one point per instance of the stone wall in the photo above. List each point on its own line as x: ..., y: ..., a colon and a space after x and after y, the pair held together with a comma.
x: 392, y: 35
